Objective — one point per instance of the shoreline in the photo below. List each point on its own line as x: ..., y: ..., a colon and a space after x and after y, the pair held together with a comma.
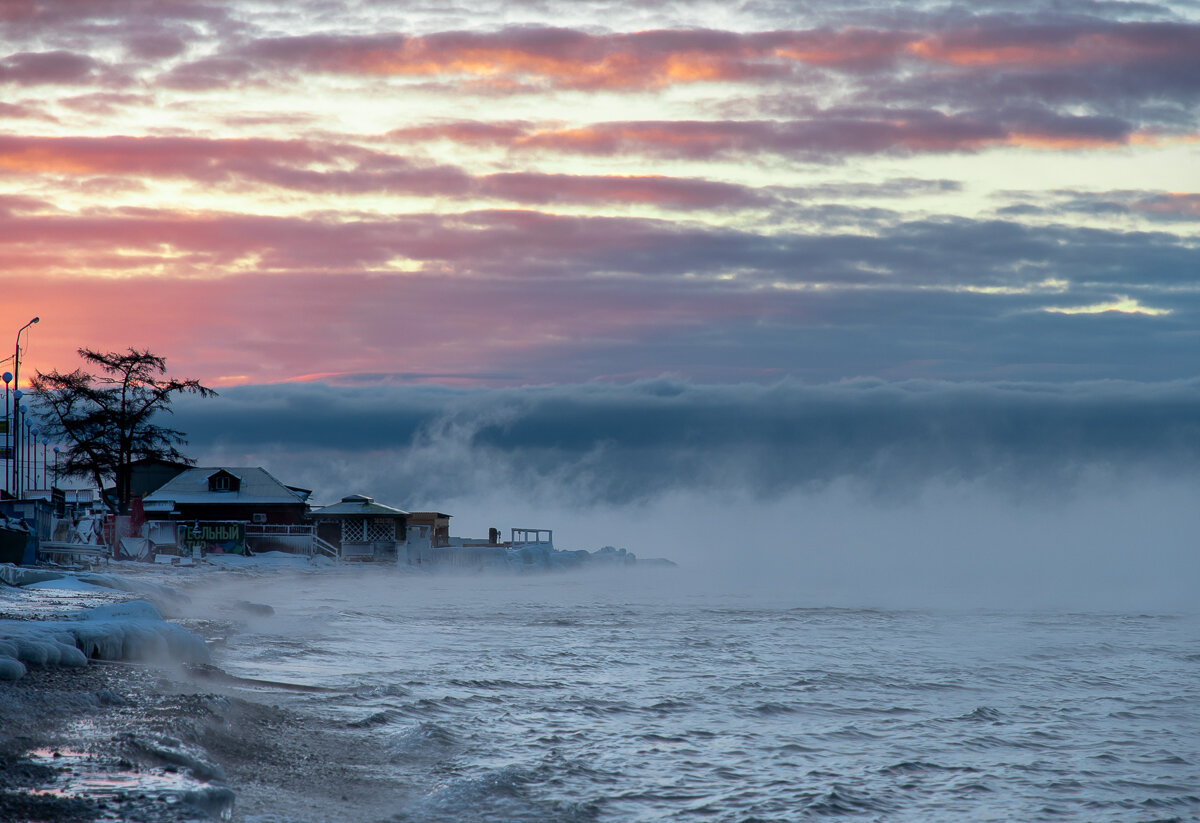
x: 151, y: 742
x: 168, y: 740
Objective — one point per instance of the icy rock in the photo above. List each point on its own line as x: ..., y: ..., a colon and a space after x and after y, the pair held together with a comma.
x: 133, y: 631
x: 65, y: 583
x: 11, y: 668
x: 21, y: 576
x: 121, y: 631
x: 48, y: 651
x: 171, y: 751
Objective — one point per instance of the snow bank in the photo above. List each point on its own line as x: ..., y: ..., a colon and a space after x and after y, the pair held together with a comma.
x: 121, y: 631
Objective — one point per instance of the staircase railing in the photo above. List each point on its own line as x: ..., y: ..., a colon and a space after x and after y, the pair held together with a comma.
x: 324, y: 547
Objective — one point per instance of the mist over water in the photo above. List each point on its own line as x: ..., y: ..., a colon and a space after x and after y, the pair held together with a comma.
x: 856, y: 493
x: 639, y: 695
x: 903, y: 603
x: 1100, y: 545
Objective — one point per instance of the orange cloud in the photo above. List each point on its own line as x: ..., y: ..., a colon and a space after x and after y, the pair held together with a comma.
x: 1030, y: 140
x: 157, y: 156
x: 1057, y: 46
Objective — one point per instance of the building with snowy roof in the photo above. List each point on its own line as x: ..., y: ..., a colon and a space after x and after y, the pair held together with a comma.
x: 225, y: 493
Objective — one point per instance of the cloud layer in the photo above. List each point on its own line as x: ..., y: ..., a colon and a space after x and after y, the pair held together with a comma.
x: 544, y: 194
x: 597, y: 445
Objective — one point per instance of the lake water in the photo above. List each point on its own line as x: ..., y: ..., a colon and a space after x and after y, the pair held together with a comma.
x: 645, y: 695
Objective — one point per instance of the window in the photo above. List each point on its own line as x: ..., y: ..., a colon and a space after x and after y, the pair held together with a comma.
x: 223, y: 481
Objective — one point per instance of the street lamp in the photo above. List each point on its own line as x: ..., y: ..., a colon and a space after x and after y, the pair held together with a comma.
x: 7, y: 424
x: 16, y: 436
x: 55, y: 486
x: 17, y: 419
x: 24, y: 478
x: 45, y: 465
x: 33, y: 436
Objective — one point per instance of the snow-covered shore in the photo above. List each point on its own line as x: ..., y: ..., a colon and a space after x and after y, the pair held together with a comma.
x: 108, y: 709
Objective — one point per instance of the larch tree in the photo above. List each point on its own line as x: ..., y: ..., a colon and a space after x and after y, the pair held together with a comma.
x: 105, y: 417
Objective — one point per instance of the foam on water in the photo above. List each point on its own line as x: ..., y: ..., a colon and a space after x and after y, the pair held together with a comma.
x: 632, y: 697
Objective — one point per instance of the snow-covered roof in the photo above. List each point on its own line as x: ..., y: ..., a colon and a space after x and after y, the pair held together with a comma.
x: 358, y: 504
x: 257, y: 486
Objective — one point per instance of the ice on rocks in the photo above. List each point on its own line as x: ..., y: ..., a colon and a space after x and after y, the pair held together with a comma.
x: 121, y: 631
x: 165, y: 597
x: 73, y: 584
x: 134, y: 631
x: 22, y: 576
x: 10, y: 667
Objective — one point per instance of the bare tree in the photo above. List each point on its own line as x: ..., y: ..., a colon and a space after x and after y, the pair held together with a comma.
x: 105, y: 418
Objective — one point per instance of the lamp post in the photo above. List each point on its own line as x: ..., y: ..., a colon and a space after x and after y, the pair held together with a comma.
x: 7, y: 426
x: 16, y: 418
x: 45, y: 465
x: 55, y: 486
x: 23, y: 480
x: 16, y: 439
x: 33, y: 438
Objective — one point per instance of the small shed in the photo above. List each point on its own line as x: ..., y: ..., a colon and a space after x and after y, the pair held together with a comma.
x: 362, y: 529
x: 438, y: 524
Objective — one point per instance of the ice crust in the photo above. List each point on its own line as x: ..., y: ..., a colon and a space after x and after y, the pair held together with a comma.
x: 164, y: 597
x: 73, y: 584
x: 134, y: 630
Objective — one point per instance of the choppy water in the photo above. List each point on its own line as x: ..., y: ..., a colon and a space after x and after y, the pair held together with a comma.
x: 636, y: 697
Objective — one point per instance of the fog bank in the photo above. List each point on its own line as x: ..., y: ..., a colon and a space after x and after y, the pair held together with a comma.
x: 860, y: 493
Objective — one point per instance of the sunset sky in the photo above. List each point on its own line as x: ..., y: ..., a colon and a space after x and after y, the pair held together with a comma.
x: 337, y: 206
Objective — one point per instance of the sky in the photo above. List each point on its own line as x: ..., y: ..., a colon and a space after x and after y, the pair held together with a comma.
x: 589, y: 259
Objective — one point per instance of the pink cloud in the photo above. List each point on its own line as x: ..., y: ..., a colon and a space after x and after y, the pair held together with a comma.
x: 657, y: 190
x: 365, y: 324
x: 566, y: 58
x: 297, y: 164
x: 1178, y: 205
x: 1041, y: 45
x: 832, y: 134
x: 25, y: 111
x: 39, y: 68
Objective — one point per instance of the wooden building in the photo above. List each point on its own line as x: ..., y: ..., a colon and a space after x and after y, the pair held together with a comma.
x: 437, y: 523
x: 224, y: 493
x: 362, y: 529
